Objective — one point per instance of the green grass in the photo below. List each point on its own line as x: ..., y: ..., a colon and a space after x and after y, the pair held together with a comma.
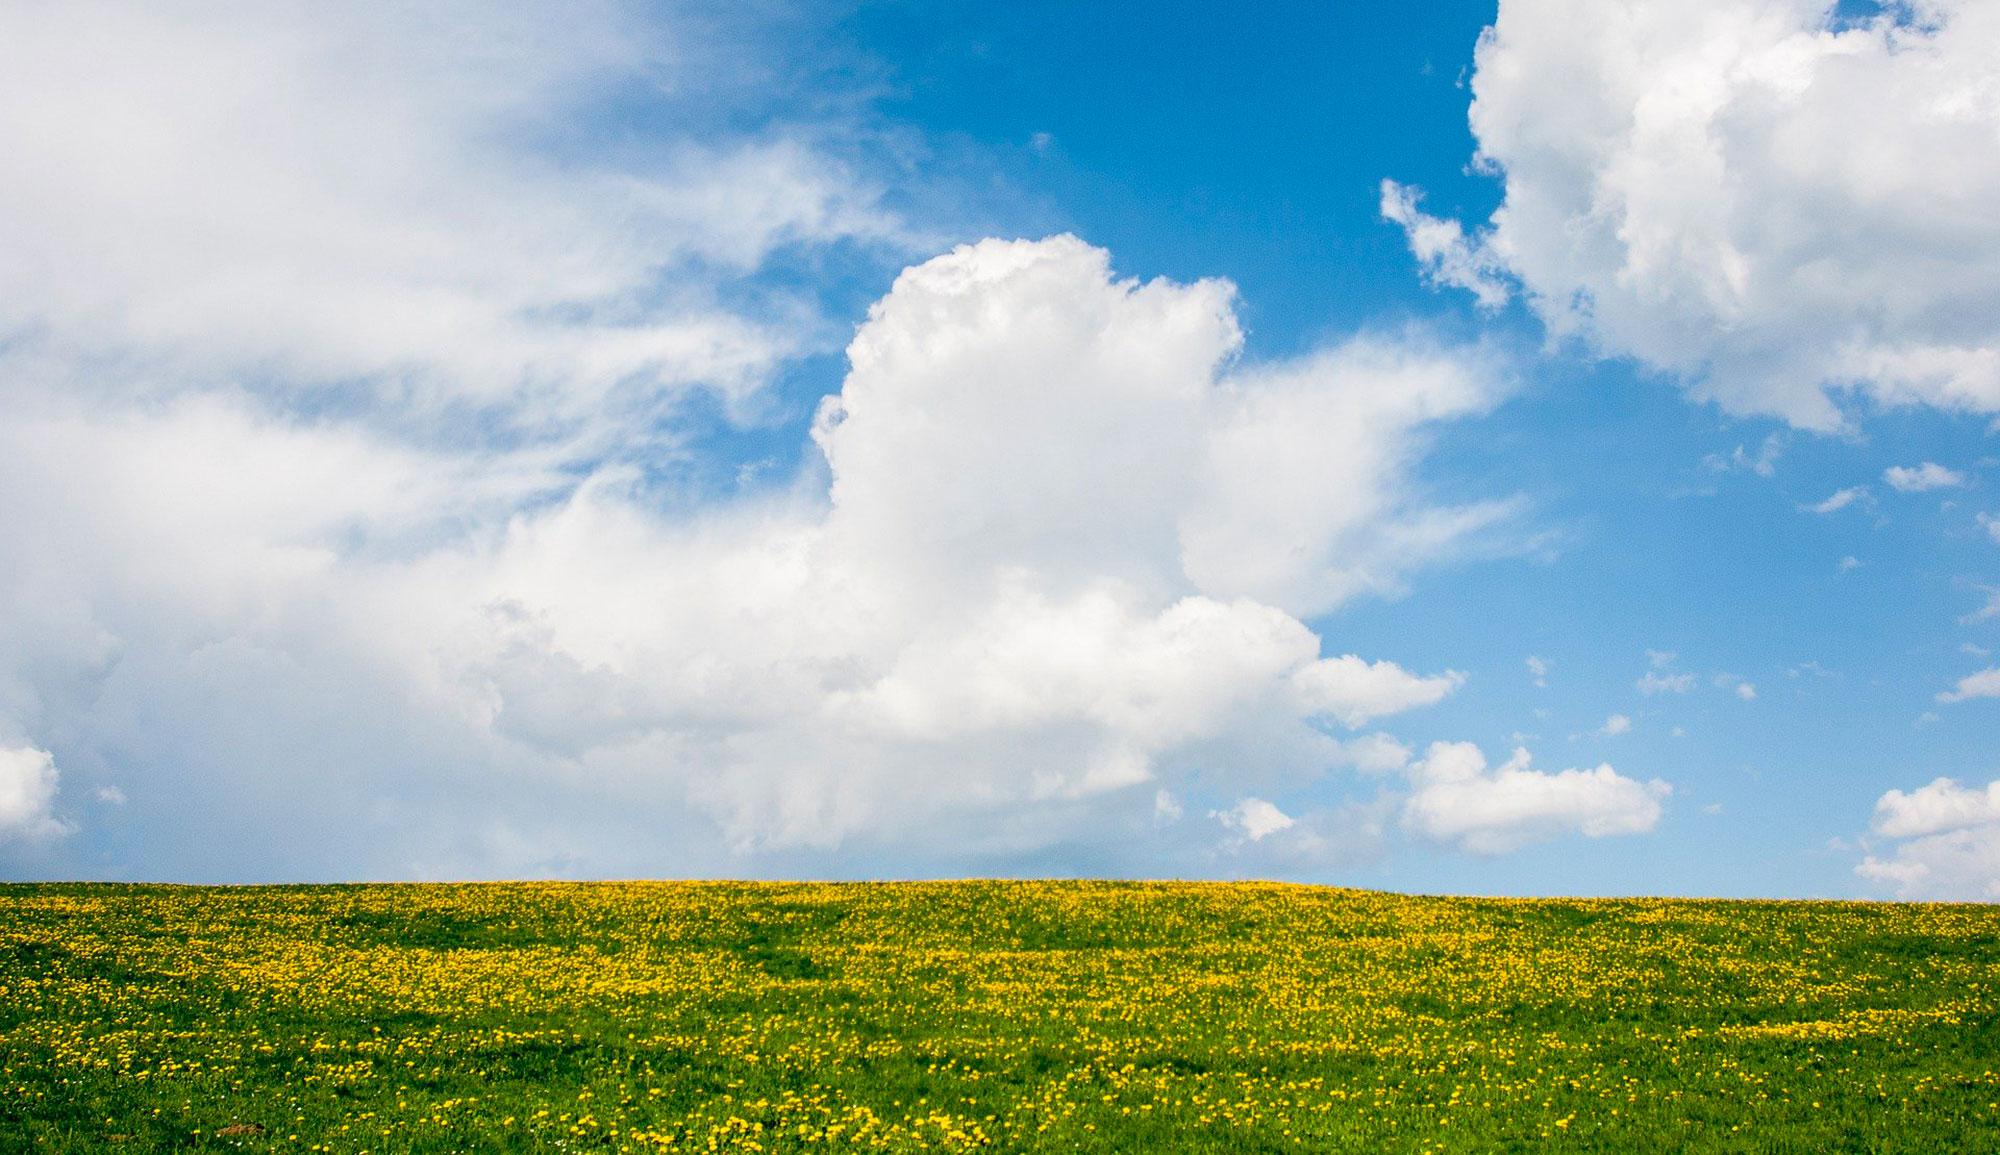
x: 1019, y: 1016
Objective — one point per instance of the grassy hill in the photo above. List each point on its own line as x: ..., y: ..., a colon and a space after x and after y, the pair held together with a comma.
x: 1052, y: 1016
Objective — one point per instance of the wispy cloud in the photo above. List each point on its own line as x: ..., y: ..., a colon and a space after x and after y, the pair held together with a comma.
x: 1839, y: 500
x: 1918, y: 478
x: 1654, y: 682
x: 1983, y: 684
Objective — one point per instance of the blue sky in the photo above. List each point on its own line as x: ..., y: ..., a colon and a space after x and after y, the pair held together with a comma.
x: 930, y: 439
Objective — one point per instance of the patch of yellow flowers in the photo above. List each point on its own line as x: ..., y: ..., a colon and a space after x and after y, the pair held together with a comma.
x: 955, y: 1016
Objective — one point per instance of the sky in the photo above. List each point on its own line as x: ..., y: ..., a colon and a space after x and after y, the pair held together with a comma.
x: 1544, y: 448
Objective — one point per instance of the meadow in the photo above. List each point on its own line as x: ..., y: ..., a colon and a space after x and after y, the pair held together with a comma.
x: 1029, y: 1016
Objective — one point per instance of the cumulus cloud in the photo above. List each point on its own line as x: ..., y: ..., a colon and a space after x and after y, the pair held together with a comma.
x: 1254, y: 818
x: 1949, y: 841
x: 28, y: 780
x: 1001, y: 611
x: 1615, y: 725
x: 349, y: 374
x: 1943, y: 805
x: 1778, y: 204
x: 1298, y: 499
x: 1983, y: 684
x: 1376, y: 753
x: 1538, y: 670
x: 1918, y: 478
x: 1456, y: 798
x: 1355, y: 691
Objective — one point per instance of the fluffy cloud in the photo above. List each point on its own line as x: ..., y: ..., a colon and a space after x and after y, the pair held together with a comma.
x: 1376, y: 753
x: 1950, y: 841
x: 998, y: 614
x: 1918, y: 478
x: 1943, y: 805
x: 1770, y: 200
x: 1355, y: 691
x: 27, y: 794
x: 1255, y: 819
x: 1458, y: 799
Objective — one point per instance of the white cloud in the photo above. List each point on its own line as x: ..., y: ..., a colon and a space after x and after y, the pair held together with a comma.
x: 1376, y: 753
x: 1746, y: 691
x: 1300, y: 498
x: 1458, y: 799
x: 1355, y: 691
x: 1772, y: 205
x: 1848, y: 564
x: 28, y: 780
x: 1950, y: 841
x: 1840, y: 500
x: 1657, y: 680
x: 1615, y: 725
x: 1442, y: 250
x: 1943, y: 805
x: 1652, y: 682
x: 1538, y: 669
x: 1918, y: 478
x: 380, y: 200
x: 1004, y: 614
x: 344, y: 477
x: 1764, y: 463
x: 1263, y: 840
x: 1984, y: 684
x: 1987, y: 612
x: 1254, y: 819
x: 1991, y: 525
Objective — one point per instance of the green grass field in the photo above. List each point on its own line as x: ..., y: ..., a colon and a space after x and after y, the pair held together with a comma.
x: 1018, y: 1016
